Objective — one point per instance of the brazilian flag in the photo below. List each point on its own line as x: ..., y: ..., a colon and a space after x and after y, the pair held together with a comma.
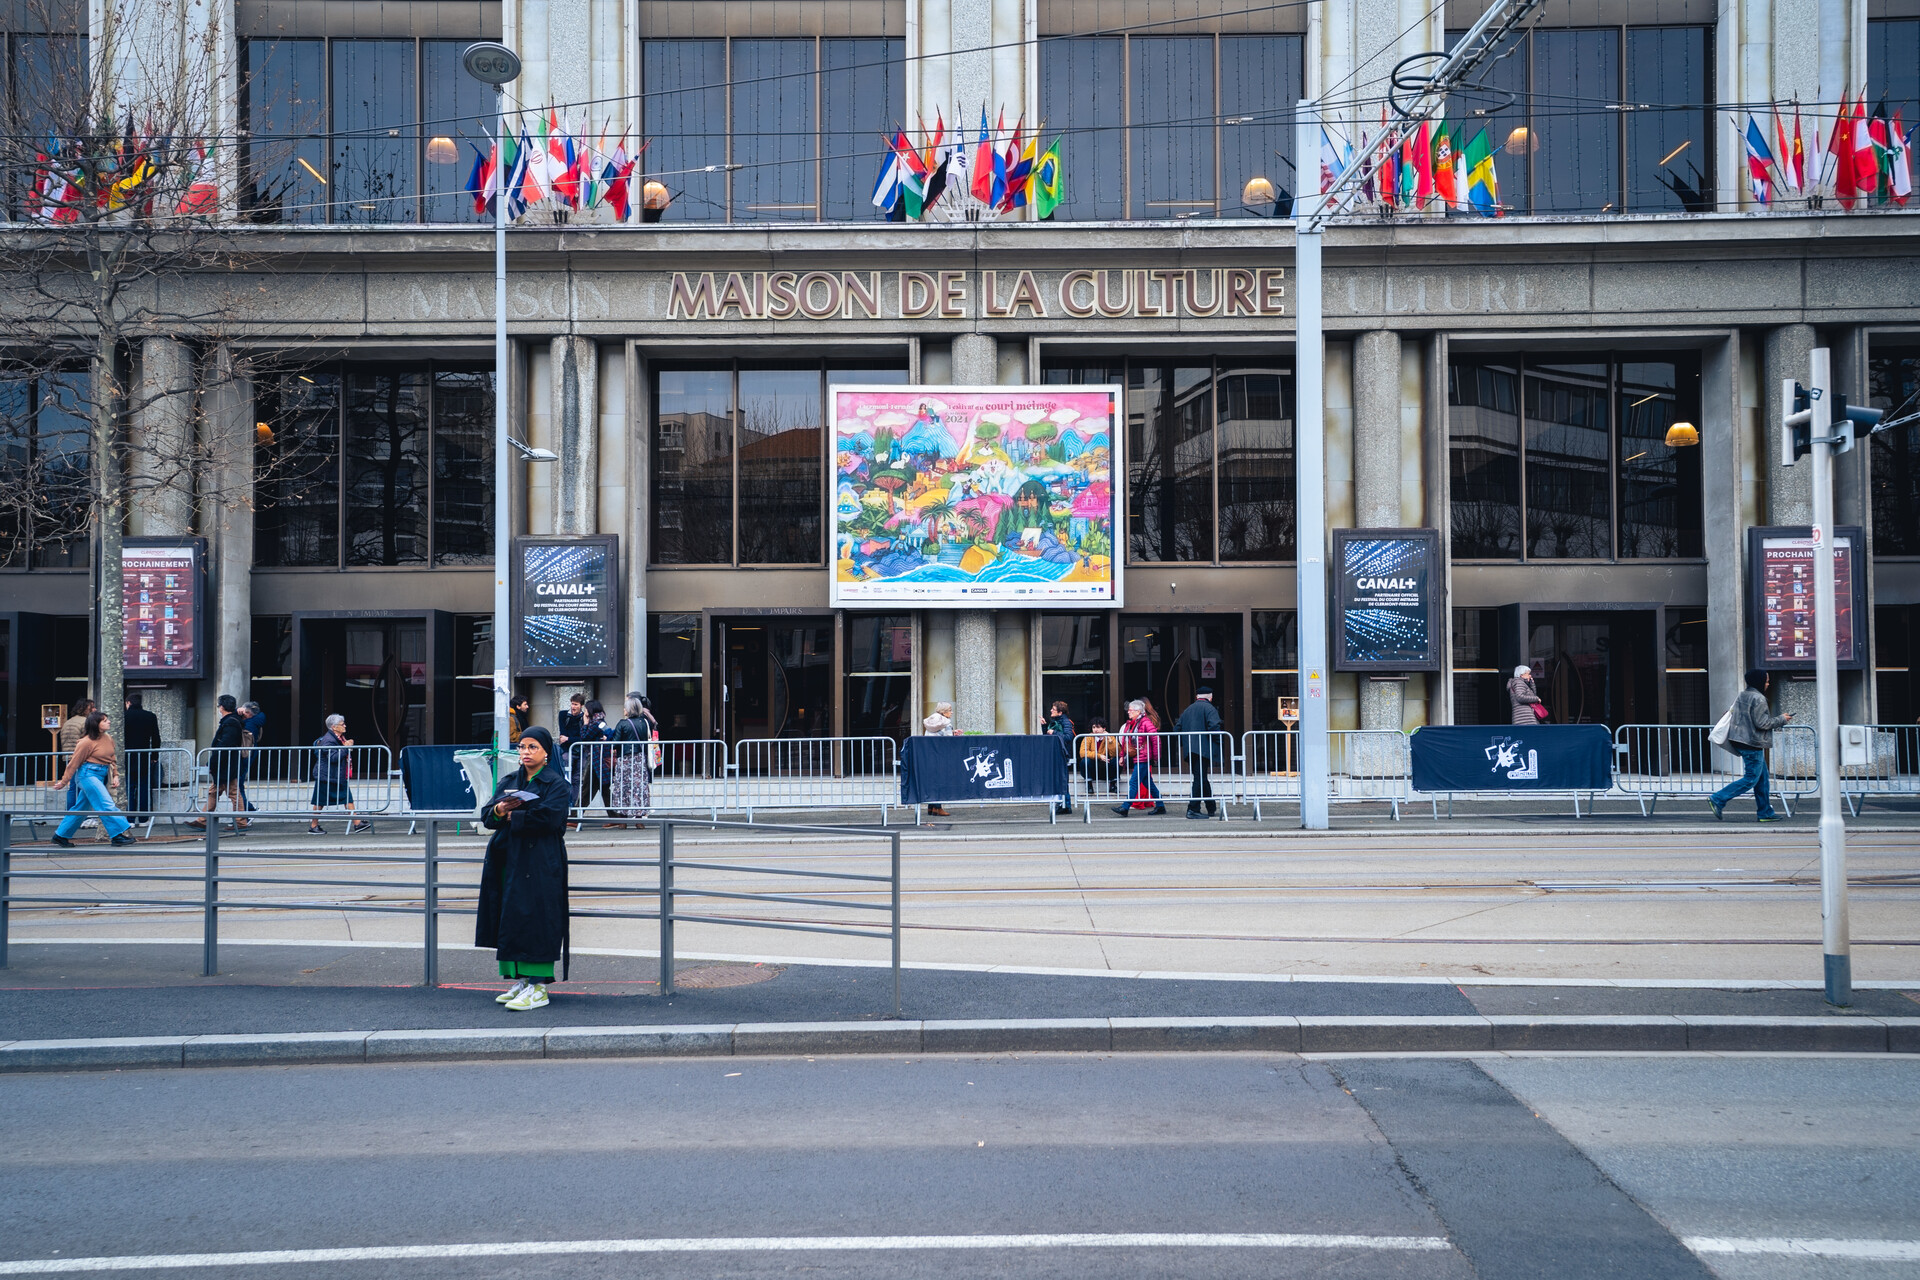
x: 1049, y: 183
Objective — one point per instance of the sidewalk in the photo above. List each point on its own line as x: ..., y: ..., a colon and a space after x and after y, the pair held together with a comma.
x: 98, y: 1005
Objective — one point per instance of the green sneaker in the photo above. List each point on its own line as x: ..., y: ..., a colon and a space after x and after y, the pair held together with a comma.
x: 1770, y: 817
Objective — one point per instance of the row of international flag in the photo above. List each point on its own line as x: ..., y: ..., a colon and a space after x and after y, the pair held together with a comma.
x: 1867, y: 159
x: 1432, y: 164
x: 142, y: 171
x: 1001, y: 178
x: 550, y: 163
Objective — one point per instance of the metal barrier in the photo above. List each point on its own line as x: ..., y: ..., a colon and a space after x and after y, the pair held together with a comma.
x: 1100, y: 773
x: 300, y: 779
x: 815, y: 773
x: 419, y: 887
x: 1655, y: 760
x: 1892, y: 768
x: 155, y: 783
x: 620, y: 782
x: 1363, y: 765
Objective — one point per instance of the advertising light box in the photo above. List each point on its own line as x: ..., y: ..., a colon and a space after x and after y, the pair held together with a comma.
x: 162, y: 601
x: 566, y: 616
x: 975, y: 497
x: 1387, y: 605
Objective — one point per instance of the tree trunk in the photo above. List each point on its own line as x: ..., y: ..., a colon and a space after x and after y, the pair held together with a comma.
x: 109, y: 529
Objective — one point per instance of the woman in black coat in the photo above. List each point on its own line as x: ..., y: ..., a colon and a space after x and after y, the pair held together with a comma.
x: 523, y: 887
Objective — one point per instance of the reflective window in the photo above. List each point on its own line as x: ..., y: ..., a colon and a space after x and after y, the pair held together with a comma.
x: 1169, y: 463
x: 804, y: 146
x: 1895, y: 454
x: 374, y: 145
x: 1256, y: 464
x: 46, y: 91
x: 1073, y: 666
x: 1276, y: 676
x: 286, y: 107
x: 1194, y: 118
x: 782, y: 431
x: 46, y: 461
x: 1668, y: 130
x: 693, y: 467
x: 457, y: 125
x: 1577, y: 166
x: 1579, y: 462
x: 1893, y: 65
x: 879, y: 679
x: 373, y: 465
x: 673, y: 675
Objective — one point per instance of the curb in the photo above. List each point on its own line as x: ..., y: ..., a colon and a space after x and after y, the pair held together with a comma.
x: 1661, y: 1033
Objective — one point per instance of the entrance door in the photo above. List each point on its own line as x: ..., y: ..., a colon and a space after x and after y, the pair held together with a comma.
x: 373, y: 672
x: 1595, y: 668
x: 774, y: 677
x: 1164, y: 659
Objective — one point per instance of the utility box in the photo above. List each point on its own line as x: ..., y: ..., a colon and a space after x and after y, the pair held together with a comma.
x: 1856, y: 746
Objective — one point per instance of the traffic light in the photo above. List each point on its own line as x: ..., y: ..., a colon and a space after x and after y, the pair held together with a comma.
x: 1846, y: 417
x: 1796, y: 428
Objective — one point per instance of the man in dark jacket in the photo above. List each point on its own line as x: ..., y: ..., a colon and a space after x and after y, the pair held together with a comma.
x: 1750, y: 729
x: 572, y: 721
x: 1059, y: 726
x: 140, y: 732
x: 253, y: 727
x: 223, y: 764
x: 1197, y: 725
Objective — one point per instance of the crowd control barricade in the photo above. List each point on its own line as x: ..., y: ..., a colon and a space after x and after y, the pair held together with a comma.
x: 1181, y: 753
x: 1652, y: 761
x: 293, y: 779
x: 622, y: 782
x: 1363, y: 766
x: 1892, y: 767
x: 155, y: 783
x: 409, y: 879
x: 815, y: 773
x: 1097, y: 774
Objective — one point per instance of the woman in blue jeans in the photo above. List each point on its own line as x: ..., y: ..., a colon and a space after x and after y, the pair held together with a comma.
x: 94, y: 772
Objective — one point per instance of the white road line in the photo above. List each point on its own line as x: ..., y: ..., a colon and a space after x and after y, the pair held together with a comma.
x: 1802, y: 1247
x: 723, y: 1244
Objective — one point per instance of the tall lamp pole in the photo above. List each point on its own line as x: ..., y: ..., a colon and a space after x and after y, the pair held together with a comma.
x: 495, y: 64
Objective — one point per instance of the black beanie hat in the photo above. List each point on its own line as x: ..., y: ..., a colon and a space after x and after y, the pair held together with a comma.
x: 1757, y: 680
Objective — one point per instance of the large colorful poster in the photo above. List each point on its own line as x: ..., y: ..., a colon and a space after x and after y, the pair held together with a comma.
x: 975, y: 496
x: 160, y: 601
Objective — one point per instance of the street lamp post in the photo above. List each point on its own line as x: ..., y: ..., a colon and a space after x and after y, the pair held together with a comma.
x: 497, y: 65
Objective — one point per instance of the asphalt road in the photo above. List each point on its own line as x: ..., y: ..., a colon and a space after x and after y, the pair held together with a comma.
x: 1145, y: 1165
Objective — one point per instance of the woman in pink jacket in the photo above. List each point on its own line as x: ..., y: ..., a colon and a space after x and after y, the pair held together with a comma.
x: 1140, y: 743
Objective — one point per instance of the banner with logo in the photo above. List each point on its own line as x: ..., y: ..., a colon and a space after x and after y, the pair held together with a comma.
x: 982, y: 766
x: 1518, y: 757
x: 566, y: 607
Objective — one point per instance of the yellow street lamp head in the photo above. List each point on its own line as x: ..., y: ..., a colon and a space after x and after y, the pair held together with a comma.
x: 1682, y: 434
x: 440, y: 150
x: 1258, y: 191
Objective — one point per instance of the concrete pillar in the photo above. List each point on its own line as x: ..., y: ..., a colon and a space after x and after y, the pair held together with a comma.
x: 963, y: 55
x: 1377, y: 483
x: 975, y: 687
x: 1789, y: 489
x: 1723, y: 438
x: 575, y: 426
x: 160, y: 462
x: 1352, y: 48
x: 227, y: 523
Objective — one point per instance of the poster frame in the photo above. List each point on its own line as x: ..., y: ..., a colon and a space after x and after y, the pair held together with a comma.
x: 616, y: 606
x: 198, y: 669
x: 1757, y: 535
x: 1436, y: 599
x: 1116, y: 434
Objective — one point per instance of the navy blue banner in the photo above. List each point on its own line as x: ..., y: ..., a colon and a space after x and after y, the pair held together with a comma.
x: 1502, y: 757
x: 997, y: 766
x: 434, y: 780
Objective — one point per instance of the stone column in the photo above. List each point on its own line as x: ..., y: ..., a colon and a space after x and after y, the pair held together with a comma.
x: 227, y: 523
x: 975, y: 658
x: 575, y: 428
x: 1789, y: 489
x: 1377, y: 484
x: 995, y: 65
x: 161, y: 474
x: 1723, y: 438
x: 576, y: 51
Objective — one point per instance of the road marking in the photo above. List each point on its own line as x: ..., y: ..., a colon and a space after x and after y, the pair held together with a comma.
x: 1865, y: 1250
x: 723, y: 1244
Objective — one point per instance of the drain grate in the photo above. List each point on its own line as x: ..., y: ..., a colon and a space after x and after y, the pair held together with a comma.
x: 709, y: 976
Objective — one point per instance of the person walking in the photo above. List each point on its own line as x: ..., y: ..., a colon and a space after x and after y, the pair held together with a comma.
x: 1524, y: 699
x: 567, y: 731
x: 93, y: 773
x: 593, y: 765
x: 69, y: 739
x: 253, y: 728
x: 1750, y: 727
x: 522, y: 913
x: 1140, y: 746
x: 1060, y: 727
x: 332, y: 776
x: 630, y: 794
x: 939, y: 725
x: 141, y: 735
x: 223, y: 765
x: 1097, y: 752
x: 1197, y: 726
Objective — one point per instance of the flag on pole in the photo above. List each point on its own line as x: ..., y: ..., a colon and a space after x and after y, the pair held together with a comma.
x: 1840, y: 154
x: 913, y: 174
x: 1783, y: 154
x: 523, y: 186
x: 1020, y: 161
x: 1483, y: 188
x: 997, y: 164
x: 1759, y: 156
x: 480, y: 180
x: 981, y: 166
x: 1049, y: 183
x: 1799, y: 153
x: 886, y: 187
x: 1866, y: 160
x: 1329, y: 161
x: 1878, y: 131
x: 1443, y: 161
x: 1901, y: 178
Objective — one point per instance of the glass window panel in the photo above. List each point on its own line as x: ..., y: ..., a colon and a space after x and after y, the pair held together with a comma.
x: 854, y: 377
x: 1170, y: 463
x: 1080, y: 375
x: 1171, y: 127
x: 463, y: 466
x: 1660, y: 513
x: 17, y: 486
x: 1082, y: 96
x: 1669, y: 157
x: 879, y: 643
x: 1483, y: 439
x: 1568, y: 504
x: 863, y: 84
x: 1073, y: 642
x: 1893, y: 64
x: 673, y: 644
x: 1895, y: 455
x: 1686, y: 637
x: 773, y: 124
x: 1256, y: 464
x: 684, y: 87
x: 386, y: 466
x: 47, y: 81
x: 297, y: 471
x: 460, y: 109
x: 375, y: 148
x: 693, y: 467
x: 286, y: 109
x: 1260, y: 81
x: 63, y: 458
x: 1577, y: 166
x: 781, y: 436
x: 1506, y: 111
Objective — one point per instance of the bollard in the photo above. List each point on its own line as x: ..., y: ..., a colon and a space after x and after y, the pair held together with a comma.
x: 210, y: 921
x: 430, y: 901
x: 666, y: 907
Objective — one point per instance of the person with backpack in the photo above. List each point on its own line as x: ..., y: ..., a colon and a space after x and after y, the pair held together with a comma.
x: 1750, y: 725
x: 593, y: 765
x: 223, y: 765
x: 253, y: 728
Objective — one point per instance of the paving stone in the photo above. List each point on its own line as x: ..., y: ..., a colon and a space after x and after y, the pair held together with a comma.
x: 1734, y: 1033
x: 93, y: 1055
x: 1903, y: 1034
x: 1280, y: 1035
x: 640, y: 1042
x: 1394, y: 1035
x: 298, y: 1046
x: 827, y: 1037
x: 1018, y: 1035
x: 474, y: 1043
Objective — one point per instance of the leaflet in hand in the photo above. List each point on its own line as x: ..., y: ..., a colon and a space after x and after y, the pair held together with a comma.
x: 524, y: 797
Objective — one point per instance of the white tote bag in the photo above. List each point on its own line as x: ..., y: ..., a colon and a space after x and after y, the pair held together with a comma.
x: 1719, y: 735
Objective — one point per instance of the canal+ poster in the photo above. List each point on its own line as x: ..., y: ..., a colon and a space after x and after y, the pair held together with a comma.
x: 971, y: 497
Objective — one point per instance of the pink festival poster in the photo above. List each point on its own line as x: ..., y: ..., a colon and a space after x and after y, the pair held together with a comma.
x: 975, y: 496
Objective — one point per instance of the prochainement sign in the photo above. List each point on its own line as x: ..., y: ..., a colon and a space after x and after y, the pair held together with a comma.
x: 162, y: 601
x: 566, y: 607
x: 1780, y: 597
x: 1387, y: 589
